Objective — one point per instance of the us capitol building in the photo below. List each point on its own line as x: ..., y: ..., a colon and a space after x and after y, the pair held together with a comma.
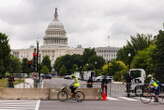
x: 55, y: 44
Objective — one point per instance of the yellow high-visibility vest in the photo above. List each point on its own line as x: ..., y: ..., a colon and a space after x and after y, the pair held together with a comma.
x: 76, y: 83
x: 155, y: 84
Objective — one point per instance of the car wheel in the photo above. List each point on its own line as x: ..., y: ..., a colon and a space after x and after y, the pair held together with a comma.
x: 138, y: 91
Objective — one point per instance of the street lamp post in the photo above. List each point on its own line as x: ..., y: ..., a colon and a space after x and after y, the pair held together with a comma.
x: 129, y: 55
x: 128, y: 78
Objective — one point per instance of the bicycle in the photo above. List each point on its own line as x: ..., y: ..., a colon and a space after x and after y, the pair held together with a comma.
x: 65, y: 94
x: 148, y: 96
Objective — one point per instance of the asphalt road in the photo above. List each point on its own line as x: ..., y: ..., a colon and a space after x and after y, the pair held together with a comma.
x: 111, y: 104
x: 98, y: 105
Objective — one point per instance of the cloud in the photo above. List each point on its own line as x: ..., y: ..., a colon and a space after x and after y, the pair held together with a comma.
x: 87, y: 22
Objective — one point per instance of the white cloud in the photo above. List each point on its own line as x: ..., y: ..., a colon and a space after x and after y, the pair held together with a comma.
x: 87, y: 22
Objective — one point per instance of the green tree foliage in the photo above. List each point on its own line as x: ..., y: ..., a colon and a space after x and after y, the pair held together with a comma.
x: 96, y: 61
x: 115, y: 68
x: 46, y: 62
x: 4, y: 54
x: 87, y: 54
x: 14, y: 65
x: 70, y: 62
x: 88, y: 61
x: 143, y: 59
x: 91, y: 60
x: 63, y: 70
x: 158, y: 56
x: 26, y: 66
x: 136, y: 43
x: 75, y: 68
x: 44, y: 69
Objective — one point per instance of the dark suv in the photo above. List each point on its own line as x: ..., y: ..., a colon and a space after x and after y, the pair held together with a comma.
x: 47, y: 76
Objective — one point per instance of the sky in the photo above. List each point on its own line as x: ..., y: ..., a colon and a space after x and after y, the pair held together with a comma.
x: 90, y: 23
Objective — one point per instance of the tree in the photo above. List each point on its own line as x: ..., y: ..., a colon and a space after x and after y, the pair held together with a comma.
x: 88, y: 61
x: 87, y: 54
x: 4, y: 54
x: 14, y: 65
x: 44, y: 69
x: 2, y: 68
x: 143, y: 59
x: 139, y: 42
x: 63, y: 70
x: 26, y: 65
x: 46, y: 62
x: 69, y: 61
x: 136, y: 43
x: 158, y: 56
x: 96, y: 61
x: 74, y: 68
x: 115, y: 68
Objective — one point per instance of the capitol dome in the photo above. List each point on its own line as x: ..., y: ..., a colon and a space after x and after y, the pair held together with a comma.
x: 55, y: 34
x: 55, y: 25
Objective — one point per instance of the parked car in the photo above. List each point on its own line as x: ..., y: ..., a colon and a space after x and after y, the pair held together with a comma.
x: 67, y: 77
x: 54, y: 74
x: 46, y: 76
x: 100, y: 78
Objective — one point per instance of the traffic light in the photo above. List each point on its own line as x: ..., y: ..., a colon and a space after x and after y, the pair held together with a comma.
x: 30, y: 64
x: 35, y: 60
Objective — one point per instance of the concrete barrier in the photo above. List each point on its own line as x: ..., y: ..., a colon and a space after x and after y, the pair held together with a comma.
x: 90, y: 93
x: 41, y: 93
x: 24, y: 93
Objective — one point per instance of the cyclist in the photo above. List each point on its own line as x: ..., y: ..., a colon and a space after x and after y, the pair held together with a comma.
x: 154, y: 85
x: 74, y: 85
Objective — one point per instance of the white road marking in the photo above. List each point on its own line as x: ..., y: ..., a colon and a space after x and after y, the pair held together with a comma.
x: 19, y: 104
x: 146, y: 99
x: 111, y: 98
x: 129, y: 99
x: 37, y: 105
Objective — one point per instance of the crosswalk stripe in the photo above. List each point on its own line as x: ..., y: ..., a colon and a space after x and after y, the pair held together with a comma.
x: 122, y: 99
x: 111, y: 98
x: 37, y: 105
x: 129, y: 99
x: 19, y: 104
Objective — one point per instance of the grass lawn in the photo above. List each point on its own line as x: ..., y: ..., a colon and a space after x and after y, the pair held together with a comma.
x: 4, y: 82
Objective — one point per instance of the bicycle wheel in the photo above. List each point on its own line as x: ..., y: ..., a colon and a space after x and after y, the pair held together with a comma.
x: 146, y: 97
x: 62, y: 96
x: 161, y: 99
x: 79, y: 96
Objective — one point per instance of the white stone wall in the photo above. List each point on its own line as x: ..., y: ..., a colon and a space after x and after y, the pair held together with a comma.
x: 53, y: 53
x: 108, y: 53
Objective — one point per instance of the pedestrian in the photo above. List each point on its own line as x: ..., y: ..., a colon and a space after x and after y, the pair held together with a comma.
x: 90, y: 82
x: 11, y: 81
x: 128, y: 84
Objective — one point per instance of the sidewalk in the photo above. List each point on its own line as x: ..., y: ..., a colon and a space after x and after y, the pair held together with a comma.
x: 29, y: 83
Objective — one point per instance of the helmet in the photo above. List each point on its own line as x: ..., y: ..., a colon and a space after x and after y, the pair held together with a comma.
x: 73, y: 76
x: 150, y: 76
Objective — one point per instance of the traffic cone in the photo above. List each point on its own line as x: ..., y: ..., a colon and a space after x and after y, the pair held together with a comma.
x: 104, y: 95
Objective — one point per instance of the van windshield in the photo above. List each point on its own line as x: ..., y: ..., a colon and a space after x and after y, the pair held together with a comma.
x: 135, y: 73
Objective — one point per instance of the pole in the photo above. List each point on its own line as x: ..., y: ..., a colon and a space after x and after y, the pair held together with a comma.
x: 38, y: 59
